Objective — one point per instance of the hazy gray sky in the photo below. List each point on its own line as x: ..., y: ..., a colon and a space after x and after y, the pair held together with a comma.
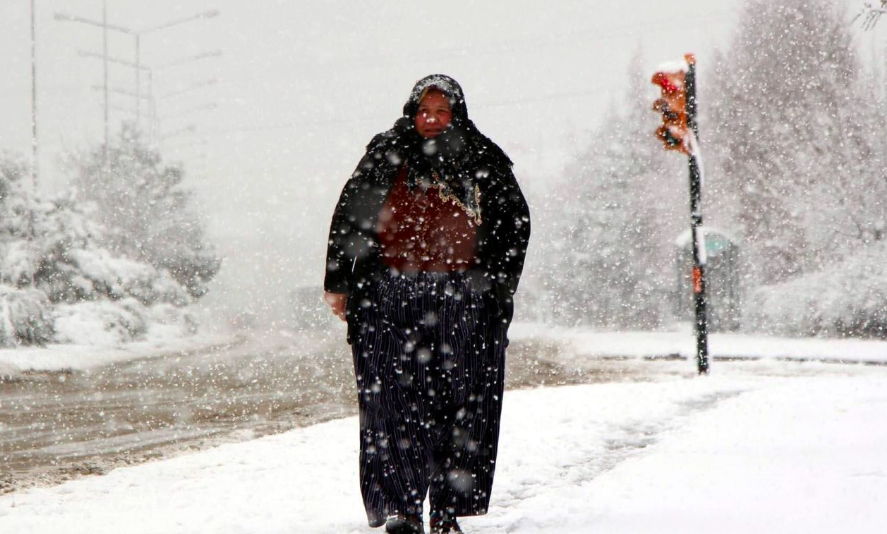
x: 302, y: 86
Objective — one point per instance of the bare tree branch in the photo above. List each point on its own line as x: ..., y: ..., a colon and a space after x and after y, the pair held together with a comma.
x: 871, y: 14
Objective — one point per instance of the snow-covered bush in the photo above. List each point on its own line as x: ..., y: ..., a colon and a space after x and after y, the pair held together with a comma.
x: 846, y: 299
x: 90, y: 274
x: 74, y: 265
x: 25, y: 317
x: 58, y: 262
x: 100, y: 322
x: 167, y: 320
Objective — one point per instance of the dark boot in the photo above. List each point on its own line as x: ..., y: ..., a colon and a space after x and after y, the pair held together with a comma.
x: 443, y: 523
x: 405, y: 524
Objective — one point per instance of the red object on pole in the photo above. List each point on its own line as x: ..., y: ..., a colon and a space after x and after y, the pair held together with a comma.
x: 697, y: 280
x: 673, y: 106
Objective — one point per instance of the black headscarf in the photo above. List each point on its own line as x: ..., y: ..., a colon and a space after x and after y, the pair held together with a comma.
x: 455, y: 159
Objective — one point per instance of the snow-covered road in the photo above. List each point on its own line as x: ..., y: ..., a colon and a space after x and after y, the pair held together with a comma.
x: 733, y: 452
x: 58, y: 424
x: 86, y: 412
x: 776, y: 441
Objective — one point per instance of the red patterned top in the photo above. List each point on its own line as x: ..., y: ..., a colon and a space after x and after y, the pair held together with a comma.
x: 420, y: 231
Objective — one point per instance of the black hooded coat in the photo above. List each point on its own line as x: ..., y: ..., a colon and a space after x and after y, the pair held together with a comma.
x: 475, y: 170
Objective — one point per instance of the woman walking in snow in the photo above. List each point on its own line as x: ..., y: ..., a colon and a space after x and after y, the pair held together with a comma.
x: 426, y: 249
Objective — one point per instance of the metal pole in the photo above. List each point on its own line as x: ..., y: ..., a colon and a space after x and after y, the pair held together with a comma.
x: 699, y: 259
x: 34, y: 96
x: 138, y: 81
x: 701, y: 323
x: 105, y: 54
x: 31, y: 232
x: 152, y: 108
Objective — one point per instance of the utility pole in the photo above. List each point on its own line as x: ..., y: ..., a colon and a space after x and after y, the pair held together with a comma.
x: 137, y: 35
x: 149, y: 98
x: 34, y: 163
x: 34, y: 97
x: 138, y: 39
x: 105, y: 54
x: 212, y: 13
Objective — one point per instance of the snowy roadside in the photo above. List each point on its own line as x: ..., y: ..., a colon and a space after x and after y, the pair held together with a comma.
x: 578, y: 345
x: 81, y: 357
x: 583, y: 343
x: 721, y: 453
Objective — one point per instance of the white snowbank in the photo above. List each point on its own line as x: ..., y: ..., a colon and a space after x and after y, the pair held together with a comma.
x: 584, y: 343
x: 714, y: 454
x: 798, y: 457
x: 581, y: 345
x: 161, y: 339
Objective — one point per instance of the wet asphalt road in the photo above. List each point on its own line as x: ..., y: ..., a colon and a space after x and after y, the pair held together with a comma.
x: 57, y: 425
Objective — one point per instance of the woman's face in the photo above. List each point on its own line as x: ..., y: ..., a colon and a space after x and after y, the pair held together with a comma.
x: 434, y: 114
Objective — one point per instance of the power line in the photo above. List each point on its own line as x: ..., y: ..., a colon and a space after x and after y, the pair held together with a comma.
x: 507, y: 47
x: 378, y: 116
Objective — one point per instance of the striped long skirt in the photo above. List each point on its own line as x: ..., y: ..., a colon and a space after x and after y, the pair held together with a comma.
x: 429, y: 363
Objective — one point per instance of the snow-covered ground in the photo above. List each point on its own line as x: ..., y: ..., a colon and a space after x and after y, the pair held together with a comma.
x: 581, y: 344
x: 82, y: 357
x: 800, y: 450
x: 584, y: 343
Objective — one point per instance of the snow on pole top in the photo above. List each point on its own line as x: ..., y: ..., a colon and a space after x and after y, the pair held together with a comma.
x: 674, y: 67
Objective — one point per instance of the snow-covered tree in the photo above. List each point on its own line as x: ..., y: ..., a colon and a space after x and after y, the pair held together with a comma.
x: 612, y: 253
x: 797, y: 139
x: 146, y: 210
x: 25, y: 313
x: 59, y: 280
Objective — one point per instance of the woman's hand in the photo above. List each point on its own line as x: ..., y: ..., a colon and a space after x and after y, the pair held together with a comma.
x: 336, y: 302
